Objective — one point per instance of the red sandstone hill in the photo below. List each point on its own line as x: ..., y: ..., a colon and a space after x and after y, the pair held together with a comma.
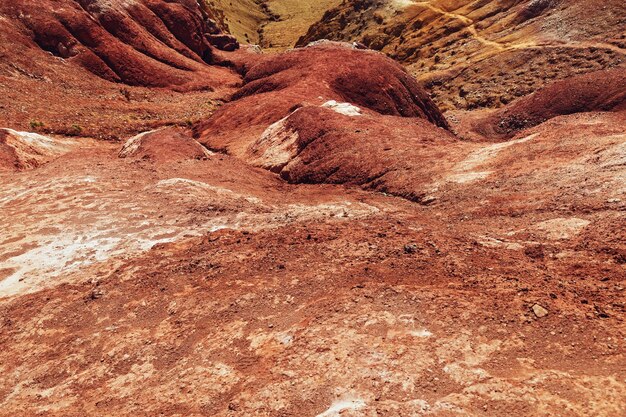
x: 330, y: 113
x: 596, y: 91
x: 24, y: 150
x: 600, y: 91
x: 163, y: 145
x: 150, y: 42
x: 105, y: 61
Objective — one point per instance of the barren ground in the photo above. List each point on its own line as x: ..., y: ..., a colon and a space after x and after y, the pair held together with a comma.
x: 182, y: 281
x: 182, y: 290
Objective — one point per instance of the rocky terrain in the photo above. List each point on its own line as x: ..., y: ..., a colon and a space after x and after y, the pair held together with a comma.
x: 194, y: 227
x: 475, y: 53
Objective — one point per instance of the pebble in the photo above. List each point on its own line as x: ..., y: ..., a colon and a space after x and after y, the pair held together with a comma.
x: 410, y: 248
x: 540, y: 311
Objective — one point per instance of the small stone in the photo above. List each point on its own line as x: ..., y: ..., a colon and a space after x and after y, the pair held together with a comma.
x: 601, y: 312
x: 540, y: 311
x: 410, y: 248
x: 429, y: 199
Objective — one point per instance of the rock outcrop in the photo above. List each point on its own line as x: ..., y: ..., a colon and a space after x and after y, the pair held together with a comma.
x: 596, y: 91
x: 329, y: 113
x: 26, y: 150
x: 164, y: 145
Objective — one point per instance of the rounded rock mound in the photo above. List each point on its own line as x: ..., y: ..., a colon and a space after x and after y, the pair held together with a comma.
x: 332, y: 113
x: 164, y: 145
x: 597, y: 91
x: 21, y: 151
x: 320, y: 74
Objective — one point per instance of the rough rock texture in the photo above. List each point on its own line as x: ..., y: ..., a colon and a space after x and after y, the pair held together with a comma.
x: 476, y: 53
x: 25, y: 150
x: 321, y: 145
x: 276, y: 83
x: 176, y: 286
x: 54, y: 55
x: 141, y: 42
x: 210, y: 288
x: 594, y: 92
x: 294, y: 115
x: 163, y: 145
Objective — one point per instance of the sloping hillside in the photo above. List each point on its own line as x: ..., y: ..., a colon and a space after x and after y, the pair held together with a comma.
x: 241, y: 18
x: 106, y: 68
x: 484, y: 53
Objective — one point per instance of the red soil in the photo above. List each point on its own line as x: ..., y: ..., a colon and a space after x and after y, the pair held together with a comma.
x: 8, y: 158
x: 598, y: 91
x: 384, y: 153
x: 317, y: 294
x: 22, y: 150
x: 276, y: 85
x: 398, y: 124
x: 175, y: 283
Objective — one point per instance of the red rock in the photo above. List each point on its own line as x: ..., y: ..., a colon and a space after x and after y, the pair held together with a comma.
x: 25, y: 150
x: 152, y: 43
x: 320, y: 145
x: 597, y: 91
x: 164, y: 145
x: 330, y: 113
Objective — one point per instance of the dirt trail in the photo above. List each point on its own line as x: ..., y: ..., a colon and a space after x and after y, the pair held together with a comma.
x: 502, y: 47
x: 466, y: 20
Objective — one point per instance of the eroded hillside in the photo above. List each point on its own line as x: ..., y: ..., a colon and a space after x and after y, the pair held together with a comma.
x: 275, y: 25
x: 307, y: 233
